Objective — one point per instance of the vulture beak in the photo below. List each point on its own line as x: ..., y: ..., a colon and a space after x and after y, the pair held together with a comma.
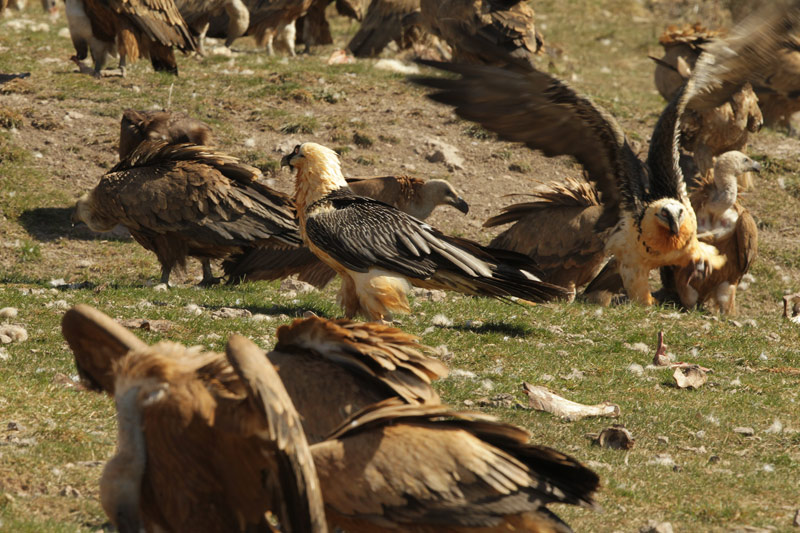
x: 286, y: 161
x: 756, y: 167
x: 460, y: 204
x: 672, y: 217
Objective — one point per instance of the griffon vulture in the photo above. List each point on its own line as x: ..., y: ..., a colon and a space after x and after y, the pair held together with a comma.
x: 385, y: 21
x: 268, y: 18
x: 169, y: 126
x: 411, y: 195
x: 710, y: 132
x: 380, y: 251
x: 571, y: 251
x: 187, y: 200
x: 653, y: 222
x: 204, y: 443
x: 779, y: 91
x: 83, y: 39
x: 313, y: 27
x: 428, y: 469
x: 467, y: 25
x: 198, y: 15
x: 355, y: 364
x: 723, y: 222
x: 139, y: 28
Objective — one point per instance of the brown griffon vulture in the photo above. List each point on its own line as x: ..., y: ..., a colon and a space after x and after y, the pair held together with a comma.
x: 139, y: 28
x: 429, y: 469
x: 313, y: 28
x: 188, y: 200
x: 268, y: 18
x: 723, y: 222
x: 169, y: 126
x: 411, y: 195
x: 466, y: 25
x: 779, y: 91
x: 198, y: 15
x: 385, y: 21
x: 648, y: 207
x: 571, y: 251
x: 710, y: 132
x: 205, y: 442
x: 380, y: 251
x: 354, y: 363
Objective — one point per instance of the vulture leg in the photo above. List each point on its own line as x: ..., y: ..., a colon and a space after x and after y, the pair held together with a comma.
x: 201, y: 39
x: 165, y: 271
x: 122, y: 64
x: 208, y: 275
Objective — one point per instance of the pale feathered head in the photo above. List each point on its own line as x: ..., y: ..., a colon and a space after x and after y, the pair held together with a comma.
x: 734, y: 163
x: 441, y: 192
x: 318, y: 172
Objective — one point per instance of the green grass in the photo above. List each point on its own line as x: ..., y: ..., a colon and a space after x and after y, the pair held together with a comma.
x: 719, y: 482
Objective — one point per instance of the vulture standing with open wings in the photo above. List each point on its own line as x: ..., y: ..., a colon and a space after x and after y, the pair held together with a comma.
x: 140, y: 28
x: 187, y: 200
x: 379, y: 251
x: 654, y: 224
x: 411, y: 195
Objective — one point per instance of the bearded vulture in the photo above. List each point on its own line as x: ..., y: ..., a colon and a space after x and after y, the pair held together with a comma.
x: 723, y: 222
x: 204, y: 440
x: 380, y: 251
x: 411, y: 195
x: 169, y: 126
x: 188, y: 200
x: 647, y: 206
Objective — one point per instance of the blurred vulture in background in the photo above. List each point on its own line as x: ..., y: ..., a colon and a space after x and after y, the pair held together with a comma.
x: 187, y: 200
x: 138, y: 28
x: 268, y: 19
x: 198, y: 15
x: 468, y: 26
x: 392, y: 466
x: 779, y: 91
x: 723, y: 222
x: 710, y: 132
x: 386, y: 21
x: 205, y: 441
x: 170, y: 126
x: 411, y: 195
x: 313, y: 28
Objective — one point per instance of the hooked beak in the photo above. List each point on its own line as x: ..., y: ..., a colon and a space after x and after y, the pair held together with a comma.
x: 672, y: 218
x: 756, y: 167
x: 286, y: 161
x: 461, y: 204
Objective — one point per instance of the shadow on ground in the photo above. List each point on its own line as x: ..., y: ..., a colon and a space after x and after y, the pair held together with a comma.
x: 46, y: 224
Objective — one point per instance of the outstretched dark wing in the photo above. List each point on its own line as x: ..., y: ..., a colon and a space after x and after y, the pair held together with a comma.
x: 546, y: 114
x: 160, y: 20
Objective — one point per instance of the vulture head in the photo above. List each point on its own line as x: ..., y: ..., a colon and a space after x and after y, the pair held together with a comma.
x: 85, y: 212
x: 441, y: 192
x: 668, y: 225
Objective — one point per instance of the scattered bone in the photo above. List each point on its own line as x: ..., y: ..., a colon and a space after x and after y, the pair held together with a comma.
x: 746, y: 431
x: 502, y: 399
x: 654, y: 526
x: 615, y: 437
x: 147, y: 325
x: 690, y: 377
x: 661, y: 357
x: 300, y: 287
x: 541, y: 399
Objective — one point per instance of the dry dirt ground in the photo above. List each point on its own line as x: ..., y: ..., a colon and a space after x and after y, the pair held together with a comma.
x: 59, y: 130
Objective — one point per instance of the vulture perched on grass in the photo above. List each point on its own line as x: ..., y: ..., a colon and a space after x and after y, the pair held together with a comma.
x: 710, y: 132
x: 169, y: 126
x: 411, y: 195
x: 468, y: 25
x: 647, y: 207
x: 205, y: 442
x: 380, y: 251
x: 198, y: 15
x: 385, y: 21
x: 188, y: 200
x: 138, y: 28
x: 268, y: 20
x: 723, y: 222
x: 392, y: 466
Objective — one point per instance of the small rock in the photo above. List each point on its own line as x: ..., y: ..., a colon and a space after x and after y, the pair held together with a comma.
x: 4, y: 356
x: 636, y: 369
x: 654, y: 526
x: 663, y: 439
x: 259, y: 317
x: 616, y: 437
x: 14, y: 426
x: 473, y: 324
x: 147, y: 325
x: 736, y: 382
x: 70, y: 491
x: 546, y: 377
x: 443, y: 353
x: 161, y: 287
x: 57, y: 304
x: 12, y: 333
x: 84, y: 264
x: 502, y: 399
x: 575, y: 375
x: 57, y: 282
x: 230, y: 312
x: 9, y: 312
x: 662, y: 459
x: 691, y: 377
x: 193, y: 309
x: 469, y: 403
x: 249, y: 142
x: 432, y: 295
x: 776, y: 427
x: 300, y: 287
x: 442, y: 152
x: 638, y: 347
x: 746, y: 431
x: 763, y: 357
x: 768, y: 468
x: 700, y: 434
x: 441, y: 321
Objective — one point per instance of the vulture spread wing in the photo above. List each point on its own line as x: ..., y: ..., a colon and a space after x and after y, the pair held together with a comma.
x: 298, y: 492
x: 97, y: 341
x: 545, y: 114
x: 192, y: 190
x: 382, y: 24
x: 428, y: 465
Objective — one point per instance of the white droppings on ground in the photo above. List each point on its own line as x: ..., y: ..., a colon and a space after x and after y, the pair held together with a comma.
x: 775, y: 428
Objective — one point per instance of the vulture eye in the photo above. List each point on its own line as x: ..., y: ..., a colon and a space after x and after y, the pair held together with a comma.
x: 297, y: 149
